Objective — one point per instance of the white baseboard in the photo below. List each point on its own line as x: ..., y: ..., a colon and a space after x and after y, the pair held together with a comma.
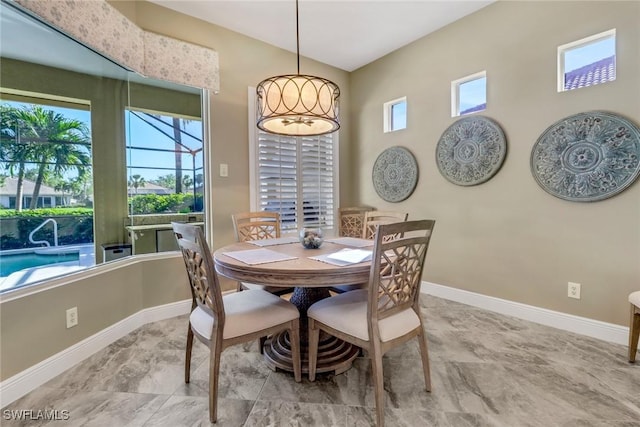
x: 581, y: 325
x: 22, y: 383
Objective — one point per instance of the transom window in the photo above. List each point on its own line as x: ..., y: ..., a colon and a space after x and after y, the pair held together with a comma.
x: 395, y: 115
x: 469, y: 94
x: 587, y: 62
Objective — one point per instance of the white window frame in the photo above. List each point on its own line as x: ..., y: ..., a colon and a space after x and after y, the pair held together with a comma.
x: 254, y: 194
x: 562, y: 49
x: 455, y: 91
x: 387, y: 114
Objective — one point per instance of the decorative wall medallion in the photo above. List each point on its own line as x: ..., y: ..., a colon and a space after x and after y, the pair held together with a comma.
x: 395, y: 174
x: 471, y: 150
x: 587, y: 157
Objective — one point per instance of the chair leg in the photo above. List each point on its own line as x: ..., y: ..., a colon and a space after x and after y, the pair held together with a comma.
x: 378, y: 381
x: 187, y: 358
x: 314, y: 338
x: 294, y: 338
x: 214, y: 374
x: 634, y: 333
x: 424, y: 354
x: 261, y: 341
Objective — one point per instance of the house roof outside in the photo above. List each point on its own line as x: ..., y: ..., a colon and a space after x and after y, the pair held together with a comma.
x: 10, y: 188
x: 149, y: 188
x: 592, y: 74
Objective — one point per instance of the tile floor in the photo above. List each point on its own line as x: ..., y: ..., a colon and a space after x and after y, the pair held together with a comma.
x: 487, y: 370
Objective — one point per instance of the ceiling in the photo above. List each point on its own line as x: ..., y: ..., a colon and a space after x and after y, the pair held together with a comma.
x: 346, y: 34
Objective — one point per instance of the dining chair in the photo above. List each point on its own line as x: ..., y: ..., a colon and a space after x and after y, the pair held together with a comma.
x: 634, y: 325
x: 351, y: 221
x: 257, y: 226
x: 222, y: 321
x: 372, y: 219
x: 386, y: 314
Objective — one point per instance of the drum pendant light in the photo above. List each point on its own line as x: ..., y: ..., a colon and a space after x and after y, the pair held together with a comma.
x: 297, y: 104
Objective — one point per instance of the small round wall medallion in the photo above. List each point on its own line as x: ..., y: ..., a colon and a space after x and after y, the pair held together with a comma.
x: 587, y: 157
x: 471, y: 150
x: 395, y: 174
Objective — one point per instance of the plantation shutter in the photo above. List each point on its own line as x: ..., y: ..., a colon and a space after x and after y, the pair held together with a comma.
x: 295, y: 176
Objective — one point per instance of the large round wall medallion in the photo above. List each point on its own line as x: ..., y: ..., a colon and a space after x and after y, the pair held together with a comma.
x: 471, y: 150
x: 395, y: 174
x: 587, y: 157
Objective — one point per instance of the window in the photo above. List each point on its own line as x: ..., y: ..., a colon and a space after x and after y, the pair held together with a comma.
x: 395, y: 115
x: 46, y: 194
x: 295, y: 176
x: 587, y: 62
x: 469, y: 94
x: 164, y: 163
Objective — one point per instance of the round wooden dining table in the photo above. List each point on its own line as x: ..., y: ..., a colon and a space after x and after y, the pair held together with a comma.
x: 311, y: 279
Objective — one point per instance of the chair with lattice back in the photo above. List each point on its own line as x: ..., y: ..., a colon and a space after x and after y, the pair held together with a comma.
x: 387, y: 313
x: 222, y: 321
x: 375, y: 218
x: 371, y: 220
x: 351, y: 221
x: 258, y: 226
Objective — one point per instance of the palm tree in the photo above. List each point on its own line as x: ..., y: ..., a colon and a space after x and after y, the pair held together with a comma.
x: 187, y: 182
x: 177, y: 137
x: 136, y: 181
x: 53, y: 141
x: 61, y: 143
x: 14, y: 150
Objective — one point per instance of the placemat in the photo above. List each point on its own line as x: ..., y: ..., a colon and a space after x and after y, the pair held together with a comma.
x: 258, y: 256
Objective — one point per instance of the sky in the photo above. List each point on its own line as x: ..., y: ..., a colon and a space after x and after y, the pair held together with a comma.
x: 143, y: 135
x: 579, y: 57
x: 473, y: 93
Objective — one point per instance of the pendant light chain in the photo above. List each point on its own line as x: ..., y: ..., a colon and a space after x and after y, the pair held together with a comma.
x: 297, y: 37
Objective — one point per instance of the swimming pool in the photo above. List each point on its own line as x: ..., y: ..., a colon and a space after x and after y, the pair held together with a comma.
x: 16, y: 262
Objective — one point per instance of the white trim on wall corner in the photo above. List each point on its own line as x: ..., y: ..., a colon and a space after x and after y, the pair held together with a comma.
x: 22, y: 383
x: 581, y: 325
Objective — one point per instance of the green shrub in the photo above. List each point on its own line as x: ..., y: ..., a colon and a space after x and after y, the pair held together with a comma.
x: 164, y: 203
x: 45, y: 212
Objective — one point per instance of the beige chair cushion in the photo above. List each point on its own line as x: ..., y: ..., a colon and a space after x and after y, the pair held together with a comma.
x: 246, y: 312
x: 634, y: 298
x: 348, y: 313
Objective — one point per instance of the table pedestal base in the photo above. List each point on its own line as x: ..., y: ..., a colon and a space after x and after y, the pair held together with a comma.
x: 334, y: 355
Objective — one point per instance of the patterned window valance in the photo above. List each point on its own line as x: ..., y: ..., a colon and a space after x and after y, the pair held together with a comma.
x: 101, y: 27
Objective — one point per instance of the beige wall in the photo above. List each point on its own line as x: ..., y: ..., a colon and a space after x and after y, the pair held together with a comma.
x: 507, y: 237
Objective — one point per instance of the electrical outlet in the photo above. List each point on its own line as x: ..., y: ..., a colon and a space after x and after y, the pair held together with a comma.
x: 573, y: 290
x: 72, y: 317
x: 224, y: 169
